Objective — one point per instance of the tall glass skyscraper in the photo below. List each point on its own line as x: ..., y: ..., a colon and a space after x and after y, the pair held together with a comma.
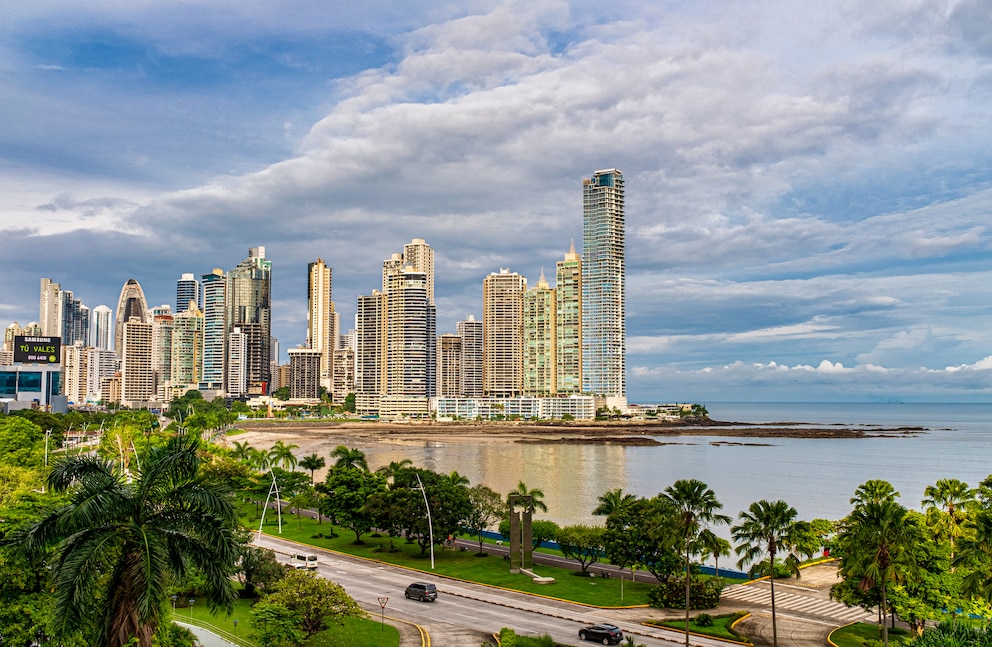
x: 603, y: 294
x: 214, y: 330
x: 187, y: 289
x: 249, y: 307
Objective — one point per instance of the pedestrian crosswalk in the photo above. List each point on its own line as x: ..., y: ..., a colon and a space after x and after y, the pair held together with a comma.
x: 786, y: 601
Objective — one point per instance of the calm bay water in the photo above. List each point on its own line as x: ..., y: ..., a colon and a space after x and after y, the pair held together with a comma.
x: 816, y: 476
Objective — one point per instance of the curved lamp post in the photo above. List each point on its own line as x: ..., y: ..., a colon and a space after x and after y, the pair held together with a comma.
x: 430, y: 524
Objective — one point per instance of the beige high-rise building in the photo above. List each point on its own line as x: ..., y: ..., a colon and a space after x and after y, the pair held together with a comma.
x: 410, y: 336
x: 13, y: 330
x: 419, y: 255
x: 503, y: 333
x: 449, y: 366
x: 369, y: 338
x: 162, y: 325
x: 470, y: 331
x: 540, y: 365
x: 75, y: 372
x: 343, y: 373
x: 50, y: 308
x: 137, y: 377
x: 321, y: 331
x: 568, y: 323
x: 390, y: 266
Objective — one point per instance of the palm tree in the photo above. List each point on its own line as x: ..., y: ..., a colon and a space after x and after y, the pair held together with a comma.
x: 976, y: 552
x: 612, y: 501
x: 874, y: 491
x: 876, y: 541
x: 713, y: 544
x: 354, y: 458
x: 455, y: 479
x: 536, y: 497
x: 763, y: 529
x: 119, y: 542
x: 950, y: 496
x: 282, y: 454
x: 241, y: 451
x: 312, y: 463
x: 693, y: 507
x: 394, y: 467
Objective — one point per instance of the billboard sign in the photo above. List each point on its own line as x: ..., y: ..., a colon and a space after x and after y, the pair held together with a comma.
x: 37, y: 350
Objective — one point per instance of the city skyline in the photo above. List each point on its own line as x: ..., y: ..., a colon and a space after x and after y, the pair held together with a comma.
x: 807, y: 193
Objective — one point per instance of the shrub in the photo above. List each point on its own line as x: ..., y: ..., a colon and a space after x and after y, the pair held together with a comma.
x: 704, y: 620
x: 703, y: 593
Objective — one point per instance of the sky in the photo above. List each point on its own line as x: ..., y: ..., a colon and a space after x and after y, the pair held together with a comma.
x: 808, y: 185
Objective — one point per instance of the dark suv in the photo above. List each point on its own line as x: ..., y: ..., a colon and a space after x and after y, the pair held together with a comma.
x: 604, y: 633
x: 421, y: 591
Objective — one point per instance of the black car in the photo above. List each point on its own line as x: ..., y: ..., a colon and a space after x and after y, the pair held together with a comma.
x: 421, y: 591
x: 604, y: 633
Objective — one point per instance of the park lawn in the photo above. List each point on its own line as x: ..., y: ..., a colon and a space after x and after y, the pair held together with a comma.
x: 465, y: 565
x: 349, y: 632
x: 855, y: 635
x: 357, y: 632
x: 719, y: 629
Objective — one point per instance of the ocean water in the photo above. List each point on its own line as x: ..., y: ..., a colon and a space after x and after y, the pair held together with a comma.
x: 816, y: 476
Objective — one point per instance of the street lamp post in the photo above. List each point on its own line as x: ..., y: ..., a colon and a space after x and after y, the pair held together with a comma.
x: 191, y: 601
x: 430, y: 524
x: 174, y: 598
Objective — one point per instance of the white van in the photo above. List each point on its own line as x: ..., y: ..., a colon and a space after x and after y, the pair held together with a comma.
x: 305, y: 560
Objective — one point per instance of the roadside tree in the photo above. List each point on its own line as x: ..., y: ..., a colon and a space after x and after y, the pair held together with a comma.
x: 631, y: 540
x: 348, y: 490
x: 693, y: 508
x: 762, y: 531
x: 317, y: 601
x: 582, y: 543
x: 487, y: 508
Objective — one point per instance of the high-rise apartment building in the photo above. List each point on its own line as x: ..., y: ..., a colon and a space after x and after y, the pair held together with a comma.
x: 100, y: 327
x: 102, y: 363
x: 343, y: 373
x: 237, y: 362
x: 137, y: 377
x: 321, y: 331
x: 603, y: 279
x: 214, y: 330
x: 131, y: 305
x: 187, y: 348
x: 369, y: 336
x: 50, y: 309
x: 539, y: 370
x: 74, y: 319
x: 187, y: 289
x: 503, y: 333
x: 304, y: 370
x: 410, y: 336
x: 470, y: 330
x: 449, y: 366
x: 75, y: 372
x: 568, y: 323
x: 162, y: 328
x: 420, y: 256
x: 249, y: 299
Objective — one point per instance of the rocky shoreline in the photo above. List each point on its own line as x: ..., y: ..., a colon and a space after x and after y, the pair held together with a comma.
x: 606, y: 432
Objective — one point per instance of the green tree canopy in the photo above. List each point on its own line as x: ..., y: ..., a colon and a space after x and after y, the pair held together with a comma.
x: 120, y: 542
x: 317, y: 601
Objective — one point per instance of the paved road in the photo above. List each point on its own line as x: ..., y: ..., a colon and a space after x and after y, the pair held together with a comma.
x: 805, y: 614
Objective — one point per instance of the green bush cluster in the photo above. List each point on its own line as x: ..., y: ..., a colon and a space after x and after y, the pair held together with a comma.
x: 703, y: 593
x: 948, y: 634
x: 704, y: 620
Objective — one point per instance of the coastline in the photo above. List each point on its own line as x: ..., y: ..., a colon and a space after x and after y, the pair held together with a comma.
x: 639, y: 433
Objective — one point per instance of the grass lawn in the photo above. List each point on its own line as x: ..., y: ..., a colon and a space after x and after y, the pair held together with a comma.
x: 855, y: 635
x: 493, y: 570
x: 719, y: 629
x: 352, y: 632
